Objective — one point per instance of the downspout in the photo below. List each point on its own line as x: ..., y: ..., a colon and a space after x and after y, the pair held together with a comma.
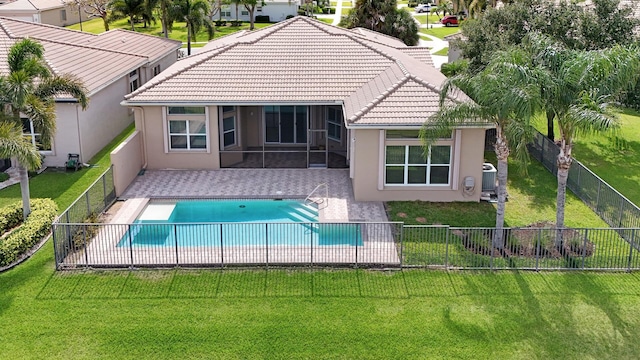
x: 144, y: 132
x: 79, y: 136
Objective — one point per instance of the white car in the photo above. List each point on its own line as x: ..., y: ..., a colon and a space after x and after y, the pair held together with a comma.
x: 423, y: 8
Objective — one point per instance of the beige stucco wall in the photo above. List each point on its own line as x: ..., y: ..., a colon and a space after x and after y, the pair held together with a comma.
x: 127, y: 161
x: 367, y: 162
x: 65, y: 140
x: 146, y: 72
x: 151, y: 121
x: 53, y: 16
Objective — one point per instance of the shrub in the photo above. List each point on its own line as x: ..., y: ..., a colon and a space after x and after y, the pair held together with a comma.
x: 236, y: 23
x: 4, y: 176
x: 221, y: 22
x: 37, y: 226
x: 10, y: 216
x: 289, y: 16
x: 262, y: 19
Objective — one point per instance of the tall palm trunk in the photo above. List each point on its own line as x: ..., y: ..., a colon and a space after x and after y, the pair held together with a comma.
x: 131, y: 22
x: 564, y: 163
x: 106, y: 23
x: 237, y: 13
x: 24, y: 189
x: 188, y: 39
x: 550, y: 133
x: 502, y: 154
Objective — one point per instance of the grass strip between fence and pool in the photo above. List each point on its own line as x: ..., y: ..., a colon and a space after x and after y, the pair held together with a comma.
x: 234, y: 314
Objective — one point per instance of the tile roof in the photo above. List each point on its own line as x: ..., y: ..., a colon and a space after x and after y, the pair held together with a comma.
x: 303, y: 61
x: 97, y: 60
x: 26, y: 5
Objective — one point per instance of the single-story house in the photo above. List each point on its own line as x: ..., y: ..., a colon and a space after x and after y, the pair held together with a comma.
x: 302, y: 93
x: 52, y: 12
x: 276, y: 10
x: 110, y: 65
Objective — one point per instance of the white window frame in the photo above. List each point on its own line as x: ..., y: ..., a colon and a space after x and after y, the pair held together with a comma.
x: 134, y: 81
x: 32, y: 134
x: 185, y: 117
x: 231, y: 114
x: 334, y: 122
x: 406, y: 165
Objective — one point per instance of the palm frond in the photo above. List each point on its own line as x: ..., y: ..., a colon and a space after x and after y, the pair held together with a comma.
x: 14, y: 144
x: 64, y: 84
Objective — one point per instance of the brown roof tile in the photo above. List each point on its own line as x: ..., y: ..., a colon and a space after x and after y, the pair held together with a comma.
x: 302, y: 61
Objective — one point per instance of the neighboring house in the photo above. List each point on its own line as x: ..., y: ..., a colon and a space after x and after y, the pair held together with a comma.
x: 110, y: 65
x: 302, y: 89
x: 276, y: 10
x: 52, y: 12
x: 455, y: 52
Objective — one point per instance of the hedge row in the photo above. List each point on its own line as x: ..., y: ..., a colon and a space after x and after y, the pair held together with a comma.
x: 10, y: 217
x: 37, y: 226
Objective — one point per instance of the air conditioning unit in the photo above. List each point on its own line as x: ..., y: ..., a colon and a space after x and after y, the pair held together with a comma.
x: 488, y: 177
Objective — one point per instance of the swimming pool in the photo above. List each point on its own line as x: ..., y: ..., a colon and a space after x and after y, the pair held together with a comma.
x: 236, y: 223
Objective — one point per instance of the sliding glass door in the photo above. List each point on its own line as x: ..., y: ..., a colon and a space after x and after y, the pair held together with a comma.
x: 285, y: 124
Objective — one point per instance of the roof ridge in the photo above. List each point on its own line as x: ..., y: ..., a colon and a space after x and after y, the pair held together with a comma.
x: 377, y: 33
x: 2, y: 18
x: 6, y: 30
x: 385, y: 94
x: 87, y: 47
x: 148, y: 85
x: 432, y: 87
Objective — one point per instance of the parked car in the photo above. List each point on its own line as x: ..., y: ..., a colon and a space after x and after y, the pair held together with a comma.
x: 423, y: 8
x: 449, y: 20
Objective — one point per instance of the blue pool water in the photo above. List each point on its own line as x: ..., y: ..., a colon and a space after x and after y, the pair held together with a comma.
x: 236, y: 223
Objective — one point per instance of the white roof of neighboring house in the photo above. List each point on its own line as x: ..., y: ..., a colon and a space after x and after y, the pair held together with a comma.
x: 97, y: 60
x: 25, y: 5
x: 379, y: 80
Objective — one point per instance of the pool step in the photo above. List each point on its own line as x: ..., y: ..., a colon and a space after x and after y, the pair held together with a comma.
x: 308, y: 214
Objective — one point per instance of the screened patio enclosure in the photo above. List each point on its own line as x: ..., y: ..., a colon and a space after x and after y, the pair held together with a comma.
x: 282, y: 136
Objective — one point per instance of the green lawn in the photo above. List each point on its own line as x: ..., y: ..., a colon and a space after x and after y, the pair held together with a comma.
x: 532, y: 198
x: 179, y: 31
x: 62, y: 186
x: 326, y: 21
x: 440, y: 32
x: 616, y: 163
x: 442, y: 52
x: 422, y: 18
x: 280, y: 314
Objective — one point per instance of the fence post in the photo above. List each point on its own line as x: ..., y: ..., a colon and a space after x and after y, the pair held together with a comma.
x: 266, y: 243
x: 221, y: 248
x: 538, y: 241
x: 130, y: 243
x: 598, y: 196
x: 401, y: 226
x: 84, y: 245
x: 584, y: 247
x: 312, y: 226
x: 356, y: 249
x: 88, y: 205
x: 175, y: 235
x: 55, y: 247
x: 631, y: 241
x: 446, y: 248
x: 104, y: 189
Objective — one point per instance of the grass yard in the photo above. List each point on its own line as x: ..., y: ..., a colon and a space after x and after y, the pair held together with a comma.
x: 617, y: 163
x: 422, y: 18
x: 278, y: 314
x: 442, y: 52
x: 179, y: 31
x: 532, y: 198
x: 440, y: 32
x: 326, y: 21
x: 62, y: 186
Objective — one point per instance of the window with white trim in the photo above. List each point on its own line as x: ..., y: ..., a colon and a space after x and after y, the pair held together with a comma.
x: 244, y: 13
x: 334, y: 122
x: 34, y: 136
x: 134, y: 83
x: 407, y: 165
x: 228, y: 127
x: 187, y: 134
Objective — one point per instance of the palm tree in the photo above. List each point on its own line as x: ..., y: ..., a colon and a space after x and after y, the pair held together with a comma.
x: 29, y: 89
x: 500, y: 97
x: 578, y: 88
x: 129, y: 8
x: 237, y: 4
x: 195, y: 13
x: 166, y: 16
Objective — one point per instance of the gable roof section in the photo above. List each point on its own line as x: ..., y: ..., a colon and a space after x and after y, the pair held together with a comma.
x: 97, y: 60
x: 302, y: 61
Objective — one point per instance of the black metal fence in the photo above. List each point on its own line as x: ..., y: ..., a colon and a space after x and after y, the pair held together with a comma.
x: 353, y: 244
x: 615, y: 209
x: 87, y: 207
